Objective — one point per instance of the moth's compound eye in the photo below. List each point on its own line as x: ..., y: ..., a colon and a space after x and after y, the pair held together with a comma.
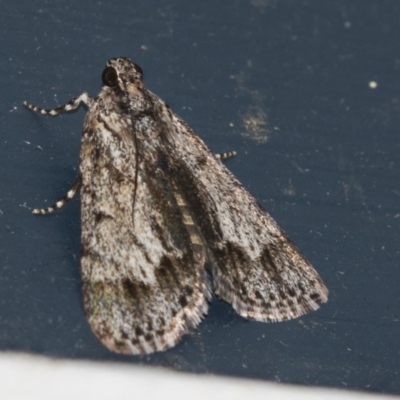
x: 110, y: 77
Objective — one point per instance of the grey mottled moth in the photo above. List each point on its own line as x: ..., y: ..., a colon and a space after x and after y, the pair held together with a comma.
x: 157, y: 205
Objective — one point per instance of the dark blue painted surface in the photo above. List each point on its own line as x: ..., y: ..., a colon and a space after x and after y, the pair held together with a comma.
x: 299, y: 72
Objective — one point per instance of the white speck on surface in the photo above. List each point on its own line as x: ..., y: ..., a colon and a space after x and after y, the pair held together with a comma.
x: 373, y: 85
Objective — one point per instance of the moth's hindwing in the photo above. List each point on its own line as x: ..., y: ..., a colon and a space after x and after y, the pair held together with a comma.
x: 255, y: 266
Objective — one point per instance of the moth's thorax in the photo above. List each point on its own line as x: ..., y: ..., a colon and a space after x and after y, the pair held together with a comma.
x: 132, y: 101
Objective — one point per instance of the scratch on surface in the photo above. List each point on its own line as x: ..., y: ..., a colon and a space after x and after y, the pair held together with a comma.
x: 254, y: 119
x: 351, y: 185
x: 300, y: 169
x: 300, y: 322
x: 289, y: 190
x: 255, y: 123
x: 396, y: 192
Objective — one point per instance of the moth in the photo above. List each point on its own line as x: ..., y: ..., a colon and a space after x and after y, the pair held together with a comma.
x: 157, y: 207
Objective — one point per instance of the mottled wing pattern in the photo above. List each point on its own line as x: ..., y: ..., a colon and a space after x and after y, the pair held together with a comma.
x: 156, y: 204
x: 255, y: 266
x: 144, y: 283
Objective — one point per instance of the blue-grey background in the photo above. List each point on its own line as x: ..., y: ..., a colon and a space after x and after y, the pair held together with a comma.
x: 284, y: 83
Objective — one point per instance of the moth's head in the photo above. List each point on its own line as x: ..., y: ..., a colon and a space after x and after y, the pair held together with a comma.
x: 121, y: 73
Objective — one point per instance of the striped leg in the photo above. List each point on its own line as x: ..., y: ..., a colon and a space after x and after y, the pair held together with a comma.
x: 70, y: 106
x: 224, y: 156
x: 70, y: 194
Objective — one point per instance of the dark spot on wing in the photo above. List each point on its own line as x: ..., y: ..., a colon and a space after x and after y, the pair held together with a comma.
x: 183, y: 301
x: 139, y: 331
x: 130, y: 288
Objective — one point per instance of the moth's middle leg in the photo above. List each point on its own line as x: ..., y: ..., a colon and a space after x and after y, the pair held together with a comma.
x: 60, y: 203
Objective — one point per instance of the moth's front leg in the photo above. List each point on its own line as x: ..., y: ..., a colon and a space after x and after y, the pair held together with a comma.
x: 70, y: 106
